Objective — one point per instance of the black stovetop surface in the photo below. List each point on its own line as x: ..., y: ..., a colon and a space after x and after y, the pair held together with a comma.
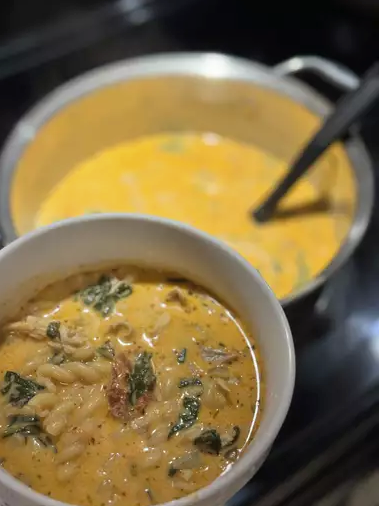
x: 333, y: 418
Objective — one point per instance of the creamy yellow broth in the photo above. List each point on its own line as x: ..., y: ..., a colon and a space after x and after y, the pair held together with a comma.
x: 213, y: 183
x: 86, y: 432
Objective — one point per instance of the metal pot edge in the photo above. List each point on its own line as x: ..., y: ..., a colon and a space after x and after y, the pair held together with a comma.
x: 202, y: 65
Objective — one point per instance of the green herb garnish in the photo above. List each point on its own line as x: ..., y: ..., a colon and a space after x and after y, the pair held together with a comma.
x: 142, y: 378
x: 191, y: 408
x: 209, y: 441
x: 181, y: 355
x: 27, y: 426
x: 102, y: 297
x: 19, y: 390
x: 106, y: 350
x: 52, y: 330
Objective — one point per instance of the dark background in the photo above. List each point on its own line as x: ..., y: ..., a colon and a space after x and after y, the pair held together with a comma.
x: 330, y: 435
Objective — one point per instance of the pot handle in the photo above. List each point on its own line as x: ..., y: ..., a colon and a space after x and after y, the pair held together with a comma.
x: 334, y: 73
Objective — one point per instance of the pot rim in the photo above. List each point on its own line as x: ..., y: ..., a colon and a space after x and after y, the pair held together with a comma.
x: 201, y: 65
x: 260, y: 446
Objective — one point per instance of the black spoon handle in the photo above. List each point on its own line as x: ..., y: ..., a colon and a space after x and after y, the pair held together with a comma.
x: 348, y: 110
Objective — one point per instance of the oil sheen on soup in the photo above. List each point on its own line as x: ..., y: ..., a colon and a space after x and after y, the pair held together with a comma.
x: 213, y: 183
x: 125, y: 386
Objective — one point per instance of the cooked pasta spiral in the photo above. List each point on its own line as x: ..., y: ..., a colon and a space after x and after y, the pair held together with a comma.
x: 57, y: 419
x: 42, y: 403
x: 74, y: 444
x: 71, y: 372
x: 39, y: 358
x: 96, y: 399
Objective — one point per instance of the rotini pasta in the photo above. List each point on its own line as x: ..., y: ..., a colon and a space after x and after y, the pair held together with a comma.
x: 43, y: 401
x: 95, y: 400
x: 40, y: 357
x: 70, y: 372
x: 83, y: 354
x: 74, y: 444
x: 56, y: 421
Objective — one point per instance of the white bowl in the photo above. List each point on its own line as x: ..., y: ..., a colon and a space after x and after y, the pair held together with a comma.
x: 53, y: 252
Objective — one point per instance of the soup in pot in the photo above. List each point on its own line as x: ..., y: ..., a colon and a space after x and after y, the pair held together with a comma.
x: 126, y: 386
x: 213, y: 184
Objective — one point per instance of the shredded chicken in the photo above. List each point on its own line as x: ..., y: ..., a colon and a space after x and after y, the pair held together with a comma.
x: 36, y: 328
x: 161, y: 322
x: 224, y: 389
x: 118, y: 390
x: 195, y: 369
x: 123, y: 327
x: 33, y: 326
x: 177, y: 296
x: 219, y: 356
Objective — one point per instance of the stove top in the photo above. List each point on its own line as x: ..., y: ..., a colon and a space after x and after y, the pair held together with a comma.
x: 331, y: 430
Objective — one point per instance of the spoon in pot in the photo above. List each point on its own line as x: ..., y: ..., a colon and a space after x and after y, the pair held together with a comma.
x: 349, y: 109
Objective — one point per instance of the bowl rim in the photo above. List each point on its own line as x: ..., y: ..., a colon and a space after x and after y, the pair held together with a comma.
x: 212, y: 66
x: 258, y: 449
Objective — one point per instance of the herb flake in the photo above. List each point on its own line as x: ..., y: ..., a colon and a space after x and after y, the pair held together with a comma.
x: 188, y: 416
x: 181, y: 355
x: 190, y: 382
x: 53, y: 330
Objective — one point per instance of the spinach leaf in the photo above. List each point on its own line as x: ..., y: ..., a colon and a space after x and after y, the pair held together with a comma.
x: 19, y: 390
x: 122, y: 291
x: 209, y: 441
x: 106, y: 350
x: 94, y: 294
x: 142, y: 379
x: 105, y: 306
x: 52, y: 330
x: 103, y: 295
x: 190, y: 382
x: 27, y: 426
x: 188, y: 416
x: 181, y: 355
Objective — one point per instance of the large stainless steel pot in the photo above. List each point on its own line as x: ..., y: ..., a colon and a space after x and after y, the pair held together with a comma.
x: 188, y: 91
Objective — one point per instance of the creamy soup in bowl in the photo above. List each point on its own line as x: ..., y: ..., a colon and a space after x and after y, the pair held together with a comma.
x: 142, y: 362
